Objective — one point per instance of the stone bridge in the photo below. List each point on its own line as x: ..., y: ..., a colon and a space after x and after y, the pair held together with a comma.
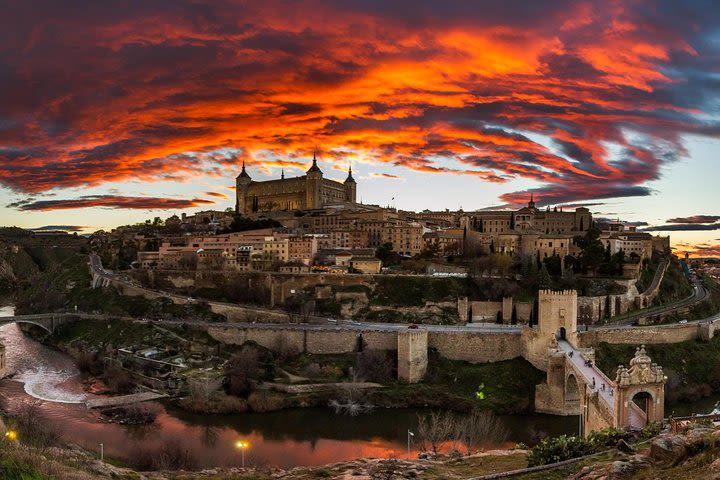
x: 47, y: 321
x: 576, y: 386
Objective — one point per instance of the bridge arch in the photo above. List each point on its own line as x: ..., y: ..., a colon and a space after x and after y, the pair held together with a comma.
x: 572, y: 394
x: 28, y: 322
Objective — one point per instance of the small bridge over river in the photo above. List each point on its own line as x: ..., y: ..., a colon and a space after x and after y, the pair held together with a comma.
x: 576, y: 386
x: 48, y: 321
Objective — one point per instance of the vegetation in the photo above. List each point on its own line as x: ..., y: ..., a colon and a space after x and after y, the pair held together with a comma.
x: 241, y: 224
x: 647, y: 272
x: 558, y: 449
x: 709, y: 306
x: 415, y: 291
x: 674, y: 286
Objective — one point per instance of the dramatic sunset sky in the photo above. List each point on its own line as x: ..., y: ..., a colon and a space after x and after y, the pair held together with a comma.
x: 116, y: 111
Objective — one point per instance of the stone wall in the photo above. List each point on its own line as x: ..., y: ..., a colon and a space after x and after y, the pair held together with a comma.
x: 597, y: 415
x: 476, y: 347
x: 488, y: 311
x: 640, y: 335
x: 298, y: 339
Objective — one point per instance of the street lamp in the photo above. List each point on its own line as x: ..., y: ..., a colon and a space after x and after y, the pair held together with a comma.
x: 11, y: 435
x: 410, y: 435
x: 242, y: 446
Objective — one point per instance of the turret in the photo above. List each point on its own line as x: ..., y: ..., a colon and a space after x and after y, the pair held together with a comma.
x: 314, y: 183
x: 242, y: 182
x: 350, y: 187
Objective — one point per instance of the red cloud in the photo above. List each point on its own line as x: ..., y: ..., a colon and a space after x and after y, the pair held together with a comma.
x: 171, y: 91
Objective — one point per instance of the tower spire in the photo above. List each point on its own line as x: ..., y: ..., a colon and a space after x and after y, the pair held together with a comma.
x: 282, y: 174
x: 243, y: 173
x: 314, y: 167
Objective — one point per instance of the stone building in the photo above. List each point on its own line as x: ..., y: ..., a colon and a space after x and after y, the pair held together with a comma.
x: 307, y: 192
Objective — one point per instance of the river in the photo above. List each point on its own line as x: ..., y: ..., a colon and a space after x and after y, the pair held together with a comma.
x: 285, y: 438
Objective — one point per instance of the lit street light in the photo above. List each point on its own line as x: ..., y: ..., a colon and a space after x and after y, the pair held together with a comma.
x: 242, y: 446
x: 11, y: 435
x: 410, y: 435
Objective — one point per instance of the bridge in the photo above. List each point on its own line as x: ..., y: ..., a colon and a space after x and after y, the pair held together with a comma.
x: 576, y: 386
x: 49, y: 321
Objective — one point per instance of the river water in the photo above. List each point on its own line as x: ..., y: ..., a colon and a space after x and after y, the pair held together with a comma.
x: 286, y: 438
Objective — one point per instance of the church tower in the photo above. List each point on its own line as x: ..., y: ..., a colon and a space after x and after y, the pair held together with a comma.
x: 242, y: 182
x: 314, y: 178
x: 350, y: 187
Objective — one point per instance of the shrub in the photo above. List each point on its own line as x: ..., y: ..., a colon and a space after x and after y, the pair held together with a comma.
x: 607, y: 437
x: 557, y: 449
x: 651, y: 430
x: 374, y: 366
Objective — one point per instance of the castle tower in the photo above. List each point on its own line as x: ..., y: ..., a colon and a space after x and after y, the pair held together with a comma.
x: 242, y: 182
x: 557, y: 314
x: 314, y: 178
x: 350, y: 187
x: 531, y: 203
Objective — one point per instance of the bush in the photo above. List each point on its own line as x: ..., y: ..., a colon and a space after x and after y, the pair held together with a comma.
x: 651, y: 430
x: 607, y: 437
x: 375, y: 366
x: 557, y: 449
x: 169, y: 456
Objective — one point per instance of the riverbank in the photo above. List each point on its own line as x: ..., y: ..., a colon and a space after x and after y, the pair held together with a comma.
x: 687, y: 452
x: 218, y: 378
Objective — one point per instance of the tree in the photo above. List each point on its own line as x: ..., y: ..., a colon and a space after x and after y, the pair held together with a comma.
x: 608, y: 312
x: 479, y: 426
x: 514, y: 317
x: 435, y: 428
x: 242, y: 371
x: 385, y: 251
x: 512, y: 221
x: 544, y: 278
x: 503, y: 263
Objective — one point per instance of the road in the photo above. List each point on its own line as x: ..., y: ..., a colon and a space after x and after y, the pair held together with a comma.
x: 319, y: 323
x: 699, y: 294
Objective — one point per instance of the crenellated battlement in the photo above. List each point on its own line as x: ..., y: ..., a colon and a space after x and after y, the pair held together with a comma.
x: 561, y: 293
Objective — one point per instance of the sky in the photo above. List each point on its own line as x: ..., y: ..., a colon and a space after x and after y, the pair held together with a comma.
x: 117, y: 111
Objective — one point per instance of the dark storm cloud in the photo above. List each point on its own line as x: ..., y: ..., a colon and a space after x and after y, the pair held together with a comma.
x: 114, y: 201
x: 695, y: 219
x: 683, y: 227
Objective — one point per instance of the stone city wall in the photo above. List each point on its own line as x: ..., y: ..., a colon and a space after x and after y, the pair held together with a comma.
x: 480, y: 347
x: 641, y: 335
x: 298, y: 340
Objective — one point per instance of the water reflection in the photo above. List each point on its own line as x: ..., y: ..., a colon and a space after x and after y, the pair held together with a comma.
x: 286, y: 438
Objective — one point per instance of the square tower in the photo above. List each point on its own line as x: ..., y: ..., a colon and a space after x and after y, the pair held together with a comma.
x: 412, y: 355
x: 557, y: 314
